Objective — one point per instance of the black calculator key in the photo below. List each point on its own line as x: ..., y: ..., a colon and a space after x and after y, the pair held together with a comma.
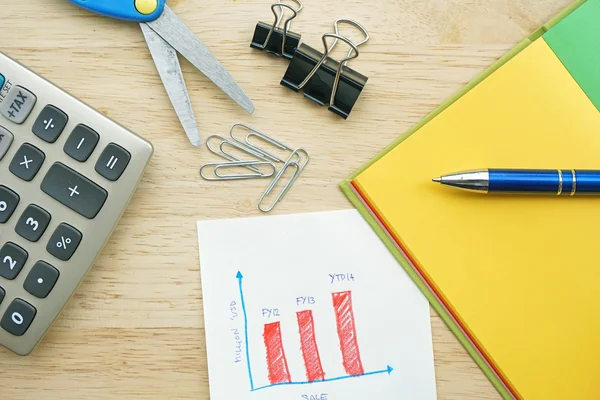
x: 82, y: 142
x: 74, y: 190
x: 33, y: 223
x: 41, y: 280
x: 49, y: 124
x: 27, y: 162
x: 9, y: 201
x: 6, y: 139
x: 64, y: 242
x: 2, y: 294
x: 18, y: 317
x: 12, y: 260
x: 112, y: 162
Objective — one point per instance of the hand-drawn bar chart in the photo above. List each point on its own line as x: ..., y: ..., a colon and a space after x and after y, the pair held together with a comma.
x: 275, y: 353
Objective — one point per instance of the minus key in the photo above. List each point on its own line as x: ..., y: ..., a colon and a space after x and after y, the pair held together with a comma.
x: 81, y: 143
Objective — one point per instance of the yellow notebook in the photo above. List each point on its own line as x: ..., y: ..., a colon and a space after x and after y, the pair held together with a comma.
x: 517, y: 278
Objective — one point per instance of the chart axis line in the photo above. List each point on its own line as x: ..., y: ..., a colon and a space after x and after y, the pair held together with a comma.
x: 388, y: 371
x: 240, y: 277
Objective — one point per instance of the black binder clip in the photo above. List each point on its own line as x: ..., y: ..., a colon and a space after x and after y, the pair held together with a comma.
x: 325, y: 80
x: 273, y: 39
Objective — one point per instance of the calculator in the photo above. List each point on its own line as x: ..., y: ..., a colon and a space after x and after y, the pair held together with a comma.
x: 67, y: 173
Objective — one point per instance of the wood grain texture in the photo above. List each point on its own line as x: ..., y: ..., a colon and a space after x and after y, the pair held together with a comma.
x: 134, y: 330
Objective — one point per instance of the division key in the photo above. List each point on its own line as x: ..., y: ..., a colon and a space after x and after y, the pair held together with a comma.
x: 74, y: 190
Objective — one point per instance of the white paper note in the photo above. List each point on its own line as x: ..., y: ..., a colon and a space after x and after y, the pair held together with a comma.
x: 311, y: 307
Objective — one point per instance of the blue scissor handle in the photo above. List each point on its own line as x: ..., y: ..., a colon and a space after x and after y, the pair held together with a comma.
x: 129, y: 10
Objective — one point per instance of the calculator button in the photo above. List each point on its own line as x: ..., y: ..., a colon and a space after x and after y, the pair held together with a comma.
x: 2, y: 294
x: 112, y: 162
x: 74, y: 190
x: 33, y: 223
x: 18, y: 317
x: 27, y: 162
x: 2, y: 80
x: 18, y: 104
x: 41, y: 280
x: 50, y: 124
x: 64, y: 242
x: 82, y: 142
x: 8, y: 203
x: 12, y: 260
x: 6, y: 139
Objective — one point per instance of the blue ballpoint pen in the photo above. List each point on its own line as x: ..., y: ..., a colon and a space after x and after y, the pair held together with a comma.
x: 559, y: 182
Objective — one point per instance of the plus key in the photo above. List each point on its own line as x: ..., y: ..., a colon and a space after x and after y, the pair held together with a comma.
x: 74, y: 190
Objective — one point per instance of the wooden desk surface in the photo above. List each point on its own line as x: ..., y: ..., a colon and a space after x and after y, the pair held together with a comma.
x: 134, y: 329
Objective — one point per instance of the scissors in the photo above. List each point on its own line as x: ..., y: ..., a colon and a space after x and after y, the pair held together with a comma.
x: 166, y: 35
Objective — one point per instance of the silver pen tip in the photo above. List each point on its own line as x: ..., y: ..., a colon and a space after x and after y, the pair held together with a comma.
x: 438, y: 180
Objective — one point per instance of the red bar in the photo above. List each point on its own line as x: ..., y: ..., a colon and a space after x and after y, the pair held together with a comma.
x: 276, y: 362
x: 310, y: 351
x: 346, y: 327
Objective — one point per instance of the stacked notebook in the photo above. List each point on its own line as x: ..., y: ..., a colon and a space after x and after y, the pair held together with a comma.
x: 516, y: 278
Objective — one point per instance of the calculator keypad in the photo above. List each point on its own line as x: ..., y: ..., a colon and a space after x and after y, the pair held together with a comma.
x: 33, y: 223
x: 12, y: 260
x: 41, y: 280
x: 6, y: 139
x: 18, y: 104
x: 64, y: 242
x: 74, y: 190
x: 9, y: 201
x: 18, y: 317
x: 82, y: 142
x: 27, y: 162
x: 67, y: 172
x: 49, y: 124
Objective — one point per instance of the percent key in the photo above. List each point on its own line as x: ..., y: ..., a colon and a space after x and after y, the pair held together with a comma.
x: 64, y: 242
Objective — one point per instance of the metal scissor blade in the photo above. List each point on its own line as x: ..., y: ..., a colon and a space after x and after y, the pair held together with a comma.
x: 182, y: 39
x: 167, y: 64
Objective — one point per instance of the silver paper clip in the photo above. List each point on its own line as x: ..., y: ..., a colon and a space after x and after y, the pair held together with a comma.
x: 237, y: 145
x: 236, y: 177
x: 260, y: 163
x: 290, y: 163
x: 262, y: 136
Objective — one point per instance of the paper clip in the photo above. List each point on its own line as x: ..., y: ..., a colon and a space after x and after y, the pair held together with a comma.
x: 290, y: 163
x: 261, y: 136
x: 325, y: 80
x: 273, y: 39
x: 230, y: 157
x: 237, y: 177
x: 259, y: 162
